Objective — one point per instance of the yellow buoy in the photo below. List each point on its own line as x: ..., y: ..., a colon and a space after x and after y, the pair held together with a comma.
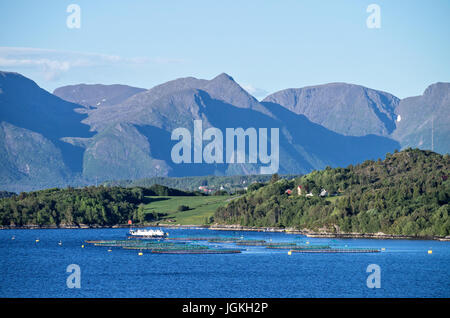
x: 140, y: 254
x: 109, y: 250
x: 37, y: 241
x: 307, y: 242
x: 290, y: 253
x: 82, y: 246
x: 430, y: 252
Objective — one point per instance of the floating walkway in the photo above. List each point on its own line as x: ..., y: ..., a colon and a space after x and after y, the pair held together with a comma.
x: 207, y: 251
x: 336, y: 250
x: 255, y: 243
x: 215, y: 239
x: 294, y: 246
x: 167, y: 247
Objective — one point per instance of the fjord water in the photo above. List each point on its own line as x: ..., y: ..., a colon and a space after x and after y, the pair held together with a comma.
x: 38, y: 269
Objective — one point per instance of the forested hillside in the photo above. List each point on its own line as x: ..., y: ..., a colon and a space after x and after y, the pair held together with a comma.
x: 407, y: 193
x: 91, y: 206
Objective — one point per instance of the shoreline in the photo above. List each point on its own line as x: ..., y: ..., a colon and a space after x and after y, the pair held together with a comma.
x: 222, y: 227
x: 323, y: 234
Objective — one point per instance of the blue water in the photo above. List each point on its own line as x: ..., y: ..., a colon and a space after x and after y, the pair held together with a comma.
x: 30, y: 269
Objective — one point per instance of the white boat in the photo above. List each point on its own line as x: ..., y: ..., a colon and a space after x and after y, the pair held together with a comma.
x: 147, y: 233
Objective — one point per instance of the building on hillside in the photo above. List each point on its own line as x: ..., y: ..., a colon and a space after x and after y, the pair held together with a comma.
x: 288, y: 191
x: 205, y: 189
x: 323, y: 193
x: 309, y: 194
x: 299, y: 190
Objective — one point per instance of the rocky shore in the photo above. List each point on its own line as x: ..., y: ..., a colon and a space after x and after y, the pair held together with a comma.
x: 325, y: 234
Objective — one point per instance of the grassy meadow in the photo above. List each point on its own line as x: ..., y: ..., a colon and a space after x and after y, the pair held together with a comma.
x: 201, y: 208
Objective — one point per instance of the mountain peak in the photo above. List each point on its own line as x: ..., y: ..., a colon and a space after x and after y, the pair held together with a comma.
x: 223, y: 77
x: 223, y: 87
x: 437, y: 88
x: 96, y: 95
x: 15, y: 81
x: 424, y: 119
x: 4, y: 74
x: 348, y: 109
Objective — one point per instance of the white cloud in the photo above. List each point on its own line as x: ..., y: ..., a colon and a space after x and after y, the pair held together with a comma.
x: 54, y: 63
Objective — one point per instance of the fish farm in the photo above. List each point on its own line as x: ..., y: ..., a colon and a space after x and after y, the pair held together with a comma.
x: 162, y: 246
x: 211, y: 245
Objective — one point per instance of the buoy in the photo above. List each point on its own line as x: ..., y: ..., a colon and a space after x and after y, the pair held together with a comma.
x: 307, y: 242
x: 37, y: 240
x: 13, y: 238
x: 383, y: 249
x: 430, y: 252
x: 59, y: 243
x: 109, y: 250
x: 140, y: 254
x: 290, y: 253
x: 82, y: 246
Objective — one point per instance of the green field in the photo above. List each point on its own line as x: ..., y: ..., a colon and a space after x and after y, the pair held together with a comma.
x: 201, y: 208
x: 332, y: 199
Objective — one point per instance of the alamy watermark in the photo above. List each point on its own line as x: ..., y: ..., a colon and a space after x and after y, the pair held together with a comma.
x: 73, y: 20
x: 213, y: 152
x: 374, y: 279
x: 374, y: 19
x: 74, y: 279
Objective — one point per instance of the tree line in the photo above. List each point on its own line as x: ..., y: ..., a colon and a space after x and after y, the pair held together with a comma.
x: 92, y: 206
x: 230, y: 184
x: 407, y: 193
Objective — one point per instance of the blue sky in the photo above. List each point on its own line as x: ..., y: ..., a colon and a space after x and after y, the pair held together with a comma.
x: 265, y: 45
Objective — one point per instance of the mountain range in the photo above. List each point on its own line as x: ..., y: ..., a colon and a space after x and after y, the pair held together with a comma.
x: 83, y: 134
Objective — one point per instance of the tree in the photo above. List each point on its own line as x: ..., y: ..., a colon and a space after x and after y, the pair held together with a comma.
x: 182, y: 208
x: 275, y: 178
